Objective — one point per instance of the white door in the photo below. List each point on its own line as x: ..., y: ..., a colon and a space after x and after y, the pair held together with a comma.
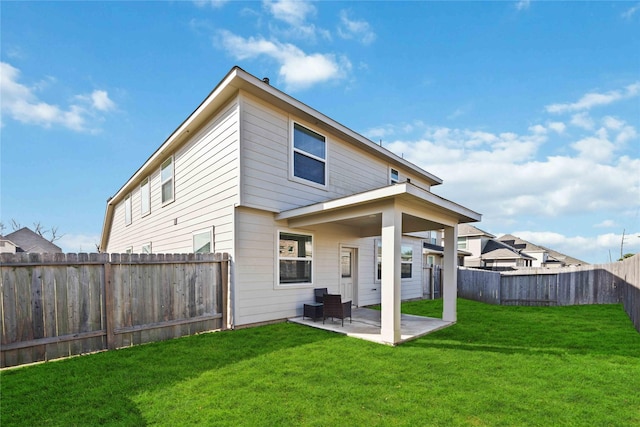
x: 348, y: 274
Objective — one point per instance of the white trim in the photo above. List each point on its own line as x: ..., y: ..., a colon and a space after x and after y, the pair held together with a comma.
x: 293, y: 150
x: 144, y: 213
x: 208, y: 230
x: 276, y: 282
x: 173, y: 180
x: 128, y: 210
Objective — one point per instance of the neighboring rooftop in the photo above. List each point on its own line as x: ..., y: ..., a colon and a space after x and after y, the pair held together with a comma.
x: 467, y: 230
x: 27, y: 240
x: 553, y: 256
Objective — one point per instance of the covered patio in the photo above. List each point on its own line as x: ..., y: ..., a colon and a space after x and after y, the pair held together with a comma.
x: 391, y: 212
x: 366, y: 325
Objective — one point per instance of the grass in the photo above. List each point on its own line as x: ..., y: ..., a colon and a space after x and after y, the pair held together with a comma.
x: 508, y: 366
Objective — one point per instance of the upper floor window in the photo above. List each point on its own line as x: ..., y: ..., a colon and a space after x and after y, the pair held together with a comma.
x: 394, y: 176
x: 145, y: 197
x: 462, y: 243
x: 203, y: 242
x: 127, y: 209
x: 166, y: 180
x: 309, y: 155
x: 295, y: 258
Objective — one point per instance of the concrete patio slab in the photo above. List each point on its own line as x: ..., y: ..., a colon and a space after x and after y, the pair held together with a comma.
x: 366, y: 325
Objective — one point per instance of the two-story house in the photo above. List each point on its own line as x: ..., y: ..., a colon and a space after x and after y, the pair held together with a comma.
x: 298, y: 200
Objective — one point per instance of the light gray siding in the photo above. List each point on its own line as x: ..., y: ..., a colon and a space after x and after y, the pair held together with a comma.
x: 259, y: 297
x: 265, y: 154
x: 206, y: 175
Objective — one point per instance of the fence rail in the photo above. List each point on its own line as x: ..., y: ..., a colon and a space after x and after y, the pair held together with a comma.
x: 613, y: 283
x: 58, y: 305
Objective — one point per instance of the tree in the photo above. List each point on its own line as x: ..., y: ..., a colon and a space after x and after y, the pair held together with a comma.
x: 625, y: 256
x: 50, y: 234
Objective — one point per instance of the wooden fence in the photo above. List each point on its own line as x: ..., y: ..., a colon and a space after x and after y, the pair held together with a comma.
x: 59, y: 305
x: 613, y: 283
x: 432, y: 282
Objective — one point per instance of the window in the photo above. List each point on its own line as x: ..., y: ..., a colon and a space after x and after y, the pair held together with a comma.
x: 394, y: 177
x: 146, y: 249
x: 406, y: 259
x: 129, y: 250
x: 309, y: 155
x: 127, y: 209
x: 145, y: 197
x: 462, y: 243
x: 166, y: 179
x: 431, y: 260
x: 203, y: 242
x: 295, y: 257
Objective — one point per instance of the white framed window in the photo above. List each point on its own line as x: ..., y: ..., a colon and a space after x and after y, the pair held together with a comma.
x: 406, y: 259
x: 129, y: 250
x: 431, y: 260
x: 166, y: 181
x: 203, y: 241
x: 394, y: 176
x: 145, y: 197
x: 127, y: 209
x: 462, y: 243
x: 309, y: 155
x: 146, y: 249
x: 295, y: 258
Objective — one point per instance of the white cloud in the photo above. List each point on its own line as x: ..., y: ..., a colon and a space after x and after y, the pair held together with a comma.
x: 594, y: 99
x: 582, y: 120
x: 523, y: 4
x: 76, y: 243
x: 21, y: 103
x: 607, y: 223
x: 350, y: 29
x: 627, y: 14
x: 212, y: 3
x: 558, y: 127
x: 293, y: 12
x: 297, y: 69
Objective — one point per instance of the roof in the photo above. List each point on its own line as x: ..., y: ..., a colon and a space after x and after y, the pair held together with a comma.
x: 467, y: 230
x: 237, y: 79
x: 29, y: 241
x: 553, y: 256
x: 495, y: 249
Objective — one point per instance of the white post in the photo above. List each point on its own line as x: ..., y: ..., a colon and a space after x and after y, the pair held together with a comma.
x: 450, y: 275
x: 391, y: 279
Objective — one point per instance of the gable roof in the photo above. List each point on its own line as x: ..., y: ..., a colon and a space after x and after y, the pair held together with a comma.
x: 553, y: 256
x: 236, y: 80
x: 467, y: 230
x: 495, y: 249
x: 29, y: 241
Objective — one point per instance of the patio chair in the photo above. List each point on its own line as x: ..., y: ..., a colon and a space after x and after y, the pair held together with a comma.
x: 335, y: 308
x: 319, y: 294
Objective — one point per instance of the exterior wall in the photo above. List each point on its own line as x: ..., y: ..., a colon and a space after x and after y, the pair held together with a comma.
x: 265, y: 154
x: 540, y: 258
x: 7, y: 247
x: 257, y: 295
x: 206, y: 171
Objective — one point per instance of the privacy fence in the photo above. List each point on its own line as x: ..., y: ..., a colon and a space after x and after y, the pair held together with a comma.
x: 613, y: 283
x: 58, y: 305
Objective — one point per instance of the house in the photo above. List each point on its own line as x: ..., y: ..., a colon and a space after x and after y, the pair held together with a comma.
x: 26, y: 240
x: 298, y: 200
x: 542, y: 256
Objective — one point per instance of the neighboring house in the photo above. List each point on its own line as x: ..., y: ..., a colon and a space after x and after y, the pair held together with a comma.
x: 25, y: 240
x: 471, y: 242
x: 298, y: 200
x: 497, y: 255
x: 7, y: 246
x: 542, y: 256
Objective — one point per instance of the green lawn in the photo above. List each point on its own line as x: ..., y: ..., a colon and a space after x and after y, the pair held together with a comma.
x: 544, y: 366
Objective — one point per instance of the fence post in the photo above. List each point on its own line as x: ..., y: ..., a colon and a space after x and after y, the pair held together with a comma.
x: 224, y: 285
x: 109, y: 304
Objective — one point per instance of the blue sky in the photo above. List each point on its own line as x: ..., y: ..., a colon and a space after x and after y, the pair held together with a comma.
x: 529, y: 111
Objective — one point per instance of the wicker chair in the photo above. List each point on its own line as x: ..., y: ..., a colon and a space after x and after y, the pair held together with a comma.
x: 335, y: 308
x: 319, y: 294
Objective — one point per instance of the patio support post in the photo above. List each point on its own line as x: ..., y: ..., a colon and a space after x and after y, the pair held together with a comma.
x: 450, y: 274
x: 391, y: 279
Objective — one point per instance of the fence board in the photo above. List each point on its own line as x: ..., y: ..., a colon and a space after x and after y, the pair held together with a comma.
x: 56, y: 305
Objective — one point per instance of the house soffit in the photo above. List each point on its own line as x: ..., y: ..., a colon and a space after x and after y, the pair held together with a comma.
x: 421, y: 210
